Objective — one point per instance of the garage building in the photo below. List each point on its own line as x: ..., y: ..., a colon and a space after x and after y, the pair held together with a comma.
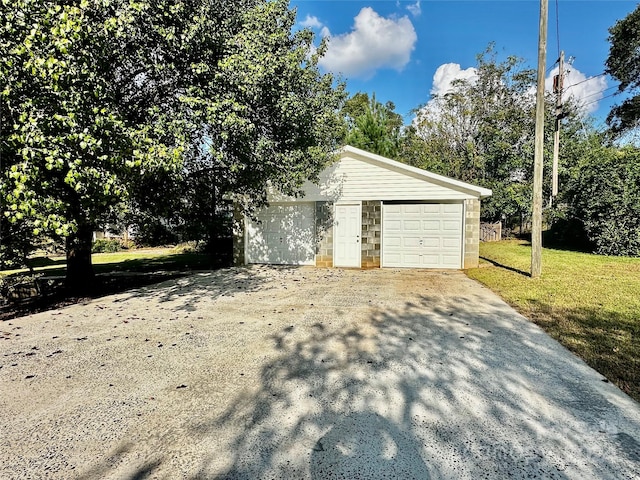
x: 368, y: 211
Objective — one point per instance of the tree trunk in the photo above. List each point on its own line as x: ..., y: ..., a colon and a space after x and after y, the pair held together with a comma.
x: 80, y: 275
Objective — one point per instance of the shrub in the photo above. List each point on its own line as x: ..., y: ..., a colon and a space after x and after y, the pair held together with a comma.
x: 106, y: 245
x: 605, y: 197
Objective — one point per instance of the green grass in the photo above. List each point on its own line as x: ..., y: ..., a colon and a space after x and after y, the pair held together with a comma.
x: 589, y: 303
x: 143, y: 260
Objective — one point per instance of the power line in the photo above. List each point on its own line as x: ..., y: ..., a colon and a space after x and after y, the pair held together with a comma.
x: 601, y: 91
x: 602, y: 98
x: 586, y: 80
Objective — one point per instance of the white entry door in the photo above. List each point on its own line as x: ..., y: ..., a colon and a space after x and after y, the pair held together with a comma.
x: 422, y: 235
x: 346, y: 235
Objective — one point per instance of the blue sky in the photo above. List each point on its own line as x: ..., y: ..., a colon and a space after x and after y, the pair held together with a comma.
x: 394, y: 48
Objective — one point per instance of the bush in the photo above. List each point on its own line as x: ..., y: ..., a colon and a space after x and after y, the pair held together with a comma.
x: 604, y: 196
x: 569, y: 234
x: 188, y: 247
x: 107, y: 245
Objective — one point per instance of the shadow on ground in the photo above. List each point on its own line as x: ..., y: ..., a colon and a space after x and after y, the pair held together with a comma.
x: 196, y: 291
x: 506, y: 267
x: 47, y: 290
x: 411, y: 394
x: 602, y: 338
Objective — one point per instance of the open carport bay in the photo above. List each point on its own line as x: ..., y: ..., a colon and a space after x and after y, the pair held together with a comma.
x: 304, y: 373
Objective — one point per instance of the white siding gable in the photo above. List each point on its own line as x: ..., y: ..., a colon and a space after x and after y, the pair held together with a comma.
x: 362, y: 176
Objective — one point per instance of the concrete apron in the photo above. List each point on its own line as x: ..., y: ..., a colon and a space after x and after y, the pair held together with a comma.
x: 305, y: 373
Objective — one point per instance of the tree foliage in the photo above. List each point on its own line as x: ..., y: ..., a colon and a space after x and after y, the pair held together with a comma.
x: 482, y: 132
x: 371, y: 125
x: 604, y: 195
x: 623, y: 64
x: 104, y: 98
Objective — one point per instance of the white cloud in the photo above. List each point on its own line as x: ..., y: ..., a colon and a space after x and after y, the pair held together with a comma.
x: 311, y: 21
x: 586, y: 92
x: 442, y: 84
x: 375, y: 42
x: 447, y: 73
x: 414, y: 9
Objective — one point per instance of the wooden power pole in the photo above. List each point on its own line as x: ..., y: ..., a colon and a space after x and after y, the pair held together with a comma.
x: 558, y: 85
x: 536, y: 220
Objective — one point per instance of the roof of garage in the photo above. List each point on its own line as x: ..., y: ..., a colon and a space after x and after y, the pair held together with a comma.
x: 361, y: 175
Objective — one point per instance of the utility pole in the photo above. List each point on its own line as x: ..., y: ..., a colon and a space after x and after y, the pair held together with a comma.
x: 536, y: 220
x: 558, y: 85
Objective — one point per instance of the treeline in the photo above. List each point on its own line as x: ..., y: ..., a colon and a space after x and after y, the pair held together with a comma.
x: 482, y: 131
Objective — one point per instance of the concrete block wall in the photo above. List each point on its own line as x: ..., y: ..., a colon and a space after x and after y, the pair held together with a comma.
x: 238, y: 236
x: 324, y: 234
x: 371, y: 233
x: 471, y: 233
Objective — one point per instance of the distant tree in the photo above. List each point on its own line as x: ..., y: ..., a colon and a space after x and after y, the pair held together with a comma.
x: 101, y: 95
x: 482, y: 132
x: 371, y: 125
x: 623, y: 64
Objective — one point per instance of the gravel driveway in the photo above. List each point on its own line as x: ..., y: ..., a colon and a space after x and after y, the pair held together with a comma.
x: 304, y: 373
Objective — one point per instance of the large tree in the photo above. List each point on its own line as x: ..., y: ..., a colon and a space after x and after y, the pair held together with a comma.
x: 103, y: 96
x: 482, y: 131
x: 623, y: 64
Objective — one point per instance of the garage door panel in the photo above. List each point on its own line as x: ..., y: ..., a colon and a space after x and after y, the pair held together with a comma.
x: 283, y: 234
x: 430, y: 225
x: 411, y: 225
x: 427, y: 259
x: 452, y: 242
x: 393, y: 208
x: 411, y: 241
x: 273, y: 238
x: 431, y: 242
x: 430, y: 208
x: 453, y: 208
x: 394, y: 225
x: 409, y: 209
x: 394, y: 258
x: 452, y: 261
x: 451, y: 226
x: 422, y: 235
x: 393, y: 241
x: 411, y: 258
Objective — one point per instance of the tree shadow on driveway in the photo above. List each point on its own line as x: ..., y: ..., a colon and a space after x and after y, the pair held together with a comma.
x: 197, y: 291
x: 441, y: 387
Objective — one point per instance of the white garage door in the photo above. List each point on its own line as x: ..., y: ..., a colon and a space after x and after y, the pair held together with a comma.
x: 425, y: 235
x: 283, y: 235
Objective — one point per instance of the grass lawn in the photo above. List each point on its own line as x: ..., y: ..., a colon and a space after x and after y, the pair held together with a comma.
x: 137, y: 260
x: 589, y: 303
